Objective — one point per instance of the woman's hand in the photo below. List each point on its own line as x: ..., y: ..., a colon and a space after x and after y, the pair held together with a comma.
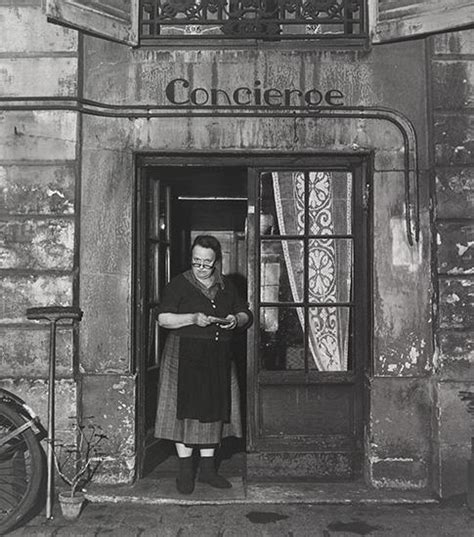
x: 231, y: 324
x: 201, y: 319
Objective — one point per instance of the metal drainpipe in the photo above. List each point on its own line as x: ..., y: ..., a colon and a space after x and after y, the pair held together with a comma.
x: 468, y: 397
x: 95, y: 108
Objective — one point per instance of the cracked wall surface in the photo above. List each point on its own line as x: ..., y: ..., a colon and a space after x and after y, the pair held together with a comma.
x: 67, y: 185
x: 38, y: 172
x: 399, y: 442
x: 452, y: 85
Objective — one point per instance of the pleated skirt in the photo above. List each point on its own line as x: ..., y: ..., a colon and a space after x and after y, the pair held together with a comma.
x: 190, y: 431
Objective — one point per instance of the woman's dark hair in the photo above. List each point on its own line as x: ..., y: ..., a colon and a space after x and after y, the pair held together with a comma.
x: 208, y: 241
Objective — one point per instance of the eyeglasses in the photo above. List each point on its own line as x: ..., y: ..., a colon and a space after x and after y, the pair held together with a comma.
x: 203, y: 265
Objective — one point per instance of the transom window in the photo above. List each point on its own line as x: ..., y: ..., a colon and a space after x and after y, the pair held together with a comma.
x: 252, y: 19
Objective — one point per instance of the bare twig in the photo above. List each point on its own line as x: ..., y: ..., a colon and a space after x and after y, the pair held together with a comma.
x: 77, y: 463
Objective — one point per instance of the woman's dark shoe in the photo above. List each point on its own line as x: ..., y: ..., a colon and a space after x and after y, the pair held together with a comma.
x: 208, y: 474
x: 185, y: 479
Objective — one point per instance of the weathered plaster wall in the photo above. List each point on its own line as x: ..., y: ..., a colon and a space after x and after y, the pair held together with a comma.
x: 400, y: 439
x: 38, y: 171
x: 452, y: 83
x: 108, y: 385
x: 419, y: 429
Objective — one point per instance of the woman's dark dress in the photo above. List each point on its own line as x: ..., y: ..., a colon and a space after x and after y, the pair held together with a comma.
x: 208, y: 424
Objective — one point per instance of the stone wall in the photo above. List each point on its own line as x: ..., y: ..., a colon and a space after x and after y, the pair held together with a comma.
x: 38, y: 173
x: 48, y: 170
x: 399, y: 435
x: 452, y: 83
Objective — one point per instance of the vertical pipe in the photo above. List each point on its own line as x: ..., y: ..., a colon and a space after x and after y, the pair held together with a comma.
x: 50, y: 440
x: 470, y: 478
x: 168, y: 232
x: 306, y: 245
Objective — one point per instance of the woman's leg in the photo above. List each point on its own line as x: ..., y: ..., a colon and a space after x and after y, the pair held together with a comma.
x: 183, y: 450
x: 185, y: 479
x: 208, y: 472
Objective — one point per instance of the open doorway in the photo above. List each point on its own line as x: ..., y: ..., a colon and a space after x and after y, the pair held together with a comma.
x: 295, y: 231
x: 174, y: 204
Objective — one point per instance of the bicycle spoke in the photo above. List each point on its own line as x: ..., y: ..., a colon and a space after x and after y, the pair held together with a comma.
x: 21, y: 467
x: 8, y: 501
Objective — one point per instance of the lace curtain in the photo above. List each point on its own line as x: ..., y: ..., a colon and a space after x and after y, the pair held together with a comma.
x: 329, y: 260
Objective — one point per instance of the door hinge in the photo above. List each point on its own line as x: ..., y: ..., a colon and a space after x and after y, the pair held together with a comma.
x: 366, y: 197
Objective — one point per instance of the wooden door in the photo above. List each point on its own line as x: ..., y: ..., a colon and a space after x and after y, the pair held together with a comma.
x: 308, y: 283
x: 153, y: 255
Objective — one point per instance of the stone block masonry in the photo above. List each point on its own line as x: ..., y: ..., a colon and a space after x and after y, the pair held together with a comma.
x: 452, y: 83
x: 38, y: 174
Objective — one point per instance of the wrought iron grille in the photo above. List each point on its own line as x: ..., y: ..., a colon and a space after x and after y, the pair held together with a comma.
x: 252, y: 19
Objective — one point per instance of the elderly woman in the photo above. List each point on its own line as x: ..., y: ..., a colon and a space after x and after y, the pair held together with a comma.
x: 198, y: 399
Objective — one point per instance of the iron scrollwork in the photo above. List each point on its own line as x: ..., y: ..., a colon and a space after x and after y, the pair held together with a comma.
x: 251, y: 18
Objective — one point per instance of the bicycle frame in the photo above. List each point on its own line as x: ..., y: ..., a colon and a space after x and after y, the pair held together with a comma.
x: 31, y: 419
x: 21, y: 460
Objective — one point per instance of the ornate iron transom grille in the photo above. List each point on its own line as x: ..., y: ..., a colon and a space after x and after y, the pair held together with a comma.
x: 252, y: 19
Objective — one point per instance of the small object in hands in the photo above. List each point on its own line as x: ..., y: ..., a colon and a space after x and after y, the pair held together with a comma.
x: 219, y: 320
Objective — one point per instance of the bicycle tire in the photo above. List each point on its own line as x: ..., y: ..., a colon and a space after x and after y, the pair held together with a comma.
x: 21, y: 470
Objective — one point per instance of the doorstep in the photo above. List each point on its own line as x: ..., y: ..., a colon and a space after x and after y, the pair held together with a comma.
x: 162, y: 491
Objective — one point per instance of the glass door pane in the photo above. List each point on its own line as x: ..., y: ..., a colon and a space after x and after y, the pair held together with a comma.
x: 330, y: 263
x: 330, y: 338
x: 306, y: 269
x: 159, y: 202
x: 279, y: 281
x: 282, y: 338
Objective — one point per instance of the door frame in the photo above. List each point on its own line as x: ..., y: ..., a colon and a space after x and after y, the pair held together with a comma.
x: 251, y: 160
x: 361, y: 169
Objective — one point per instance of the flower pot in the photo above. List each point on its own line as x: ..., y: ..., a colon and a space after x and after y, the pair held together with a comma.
x: 71, y: 505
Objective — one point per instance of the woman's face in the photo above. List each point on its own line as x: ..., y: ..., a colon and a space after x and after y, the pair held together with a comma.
x: 203, y: 262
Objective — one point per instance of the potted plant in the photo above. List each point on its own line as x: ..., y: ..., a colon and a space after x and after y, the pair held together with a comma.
x: 76, y: 464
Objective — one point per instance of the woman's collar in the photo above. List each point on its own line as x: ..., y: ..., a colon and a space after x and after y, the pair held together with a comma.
x: 218, y: 279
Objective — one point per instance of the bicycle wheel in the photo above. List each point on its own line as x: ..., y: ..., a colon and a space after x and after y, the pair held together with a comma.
x: 21, y: 469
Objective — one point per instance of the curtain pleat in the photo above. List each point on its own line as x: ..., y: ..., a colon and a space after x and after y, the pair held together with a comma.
x: 329, y: 260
